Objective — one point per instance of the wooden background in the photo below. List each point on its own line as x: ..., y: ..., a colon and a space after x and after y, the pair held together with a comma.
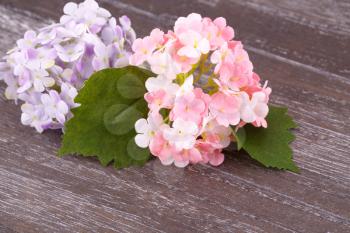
x: 302, y: 47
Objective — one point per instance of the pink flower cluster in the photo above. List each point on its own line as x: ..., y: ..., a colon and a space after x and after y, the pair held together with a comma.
x: 46, y: 69
x: 191, y: 121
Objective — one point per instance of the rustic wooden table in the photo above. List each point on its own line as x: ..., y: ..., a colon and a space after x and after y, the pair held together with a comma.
x: 302, y: 47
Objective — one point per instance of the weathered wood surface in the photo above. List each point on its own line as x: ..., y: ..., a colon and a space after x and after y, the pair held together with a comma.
x: 302, y: 47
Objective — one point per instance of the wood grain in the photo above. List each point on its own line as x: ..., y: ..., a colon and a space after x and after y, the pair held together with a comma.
x: 302, y: 47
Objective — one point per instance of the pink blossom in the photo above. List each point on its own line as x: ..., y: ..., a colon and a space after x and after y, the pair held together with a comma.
x: 217, y: 135
x: 182, y: 134
x: 210, y: 154
x: 192, y: 22
x: 254, y: 109
x: 162, y: 149
x: 198, y: 119
x: 143, y: 48
x: 147, y: 129
x: 188, y: 108
x: 194, y: 45
x: 157, y: 36
x: 185, y: 63
x: 186, y: 156
x: 235, y: 76
x: 163, y: 64
x: 158, y: 100
x: 225, y: 33
x: 225, y: 109
x: 233, y: 65
x: 210, y: 31
x: 224, y: 55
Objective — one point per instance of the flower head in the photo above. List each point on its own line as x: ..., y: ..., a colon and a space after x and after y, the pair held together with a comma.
x: 47, y: 68
x: 198, y: 116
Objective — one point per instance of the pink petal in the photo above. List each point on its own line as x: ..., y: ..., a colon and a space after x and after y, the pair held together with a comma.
x: 216, y: 159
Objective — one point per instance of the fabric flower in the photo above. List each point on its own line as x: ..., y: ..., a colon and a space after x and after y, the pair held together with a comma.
x: 147, y: 129
x: 198, y: 114
x: 182, y: 134
x: 35, y: 116
x: 194, y: 45
x: 254, y: 109
x: 225, y: 109
x: 54, y: 106
x: 188, y: 108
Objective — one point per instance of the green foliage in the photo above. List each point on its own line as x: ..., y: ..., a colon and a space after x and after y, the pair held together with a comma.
x: 103, y: 126
x: 270, y: 146
x: 240, y: 136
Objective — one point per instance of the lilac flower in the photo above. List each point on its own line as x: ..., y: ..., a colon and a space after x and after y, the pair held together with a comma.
x: 54, y: 106
x: 130, y: 34
x: 40, y: 58
x: 70, y: 51
x: 46, y: 37
x: 46, y: 69
x: 68, y: 76
x: 34, y: 116
x: 101, y: 60
x: 29, y: 40
x: 112, y: 32
x: 68, y: 94
x: 87, y: 13
x: 41, y: 80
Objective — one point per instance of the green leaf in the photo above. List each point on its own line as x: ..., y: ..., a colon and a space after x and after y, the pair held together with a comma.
x: 270, y: 146
x: 240, y: 136
x: 103, y: 126
x: 131, y: 86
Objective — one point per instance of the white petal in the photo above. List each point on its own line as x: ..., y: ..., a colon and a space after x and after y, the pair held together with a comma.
x: 50, y: 111
x: 141, y: 126
x: 38, y: 85
x: 258, y: 97
x: 181, y: 164
x: 188, y: 38
x: 48, y: 82
x: 204, y: 46
x: 236, y: 118
x: 70, y: 8
x: 169, y: 134
x: 60, y: 118
x: 142, y: 140
x: 167, y: 161
x: 186, y: 87
x: 155, y: 121
x: 25, y: 87
x: 188, y: 127
x: 46, y: 100
x: 11, y: 93
x: 26, y: 119
x: 172, y: 89
x: 261, y: 110
x: 38, y: 127
x: 245, y: 98
x: 215, y: 57
x: 27, y: 108
x: 46, y: 64
x: 153, y: 84
x: 188, y: 143
x: 189, y: 51
x: 247, y: 114
x: 62, y: 107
